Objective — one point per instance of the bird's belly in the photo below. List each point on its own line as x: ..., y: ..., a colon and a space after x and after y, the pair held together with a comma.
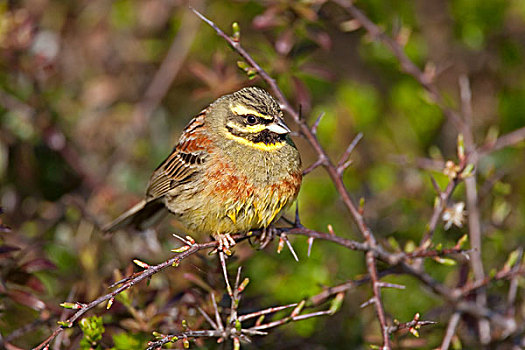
x: 232, y: 206
x: 233, y: 215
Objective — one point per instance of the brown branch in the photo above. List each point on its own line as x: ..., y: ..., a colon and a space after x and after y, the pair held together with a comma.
x: 443, y: 198
x: 167, y: 71
x: 331, y: 169
x: 474, y: 219
x: 412, y: 326
x: 128, y: 283
x: 510, y: 139
x: 233, y: 329
x: 405, y: 62
x: 451, y: 330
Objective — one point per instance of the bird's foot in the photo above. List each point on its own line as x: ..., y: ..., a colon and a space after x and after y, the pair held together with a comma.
x: 268, y: 233
x: 225, y: 242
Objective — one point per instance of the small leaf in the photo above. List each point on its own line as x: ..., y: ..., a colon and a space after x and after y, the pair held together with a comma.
x: 298, y: 308
x: 445, y: 261
x: 243, y: 284
x: 280, y: 246
x: 336, y: 303
x: 512, y: 259
x: 361, y: 205
x: 157, y: 335
x: 260, y: 320
x: 236, y: 343
x: 181, y: 249
x: 461, y: 147
x: 72, y: 306
x: 462, y: 241
x: 251, y: 72
x: 467, y: 172
x: 414, y: 332
x: 66, y: 323
x: 236, y: 31
x: 394, y: 243
x: 410, y: 246
x: 141, y: 263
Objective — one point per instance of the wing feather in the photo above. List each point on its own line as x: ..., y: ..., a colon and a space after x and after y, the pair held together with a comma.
x: 186, y: 159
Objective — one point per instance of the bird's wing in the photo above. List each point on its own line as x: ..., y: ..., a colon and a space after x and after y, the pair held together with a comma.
x: 185, y: 161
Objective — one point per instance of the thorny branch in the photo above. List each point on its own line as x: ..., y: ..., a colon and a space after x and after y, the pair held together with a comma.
x: 399, y: 262
x: 124, y: 285
x: 235, y: 328
x: 373, y: 249
x: 333, y: 171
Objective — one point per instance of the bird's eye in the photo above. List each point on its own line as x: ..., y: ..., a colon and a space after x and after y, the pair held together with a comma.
x: 251, y: 119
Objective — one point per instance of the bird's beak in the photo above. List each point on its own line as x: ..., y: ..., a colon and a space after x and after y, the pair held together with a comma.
x: 278, y: 127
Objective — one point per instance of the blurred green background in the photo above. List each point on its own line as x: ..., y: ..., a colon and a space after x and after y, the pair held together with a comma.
x: 80, y: 134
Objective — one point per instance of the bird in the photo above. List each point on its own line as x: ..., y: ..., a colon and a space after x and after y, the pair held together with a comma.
x: 234, y: 169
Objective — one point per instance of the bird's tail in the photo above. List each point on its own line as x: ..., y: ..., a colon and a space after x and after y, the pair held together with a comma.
x: 142, y: 216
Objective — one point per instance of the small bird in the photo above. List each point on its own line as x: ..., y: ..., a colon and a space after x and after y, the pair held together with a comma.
x: 234, y: 169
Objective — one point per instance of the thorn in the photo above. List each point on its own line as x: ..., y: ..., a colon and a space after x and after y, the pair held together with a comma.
x: 290, y: 247
x: 435, y: 185
x: 238, y: 278
x: 183, y: 240
x: 317, y: 163
x: 341, y: 169
x: 368, y: 302
x: 345, y: 162
x: 310, y: 243
x: 217, y: 315
x: 331, y: 229
x: 316, y: 123
x: 225, y: 273
x: 390, y: 285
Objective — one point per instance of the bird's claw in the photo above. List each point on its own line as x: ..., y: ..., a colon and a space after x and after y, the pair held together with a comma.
x: 225, y: 242
x: 266, y: 236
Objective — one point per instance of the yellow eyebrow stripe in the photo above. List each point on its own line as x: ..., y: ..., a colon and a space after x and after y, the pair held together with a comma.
x: 258, y: 145
x: 252, y: 129
x: 243, y: 110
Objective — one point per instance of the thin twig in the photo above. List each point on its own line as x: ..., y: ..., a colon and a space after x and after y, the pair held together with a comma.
x: 344, y: 162
x: 425, y: 80
x: 151, y: 270
x: 451, y: 330
x: 474, y: 219
x: 222, y: 261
